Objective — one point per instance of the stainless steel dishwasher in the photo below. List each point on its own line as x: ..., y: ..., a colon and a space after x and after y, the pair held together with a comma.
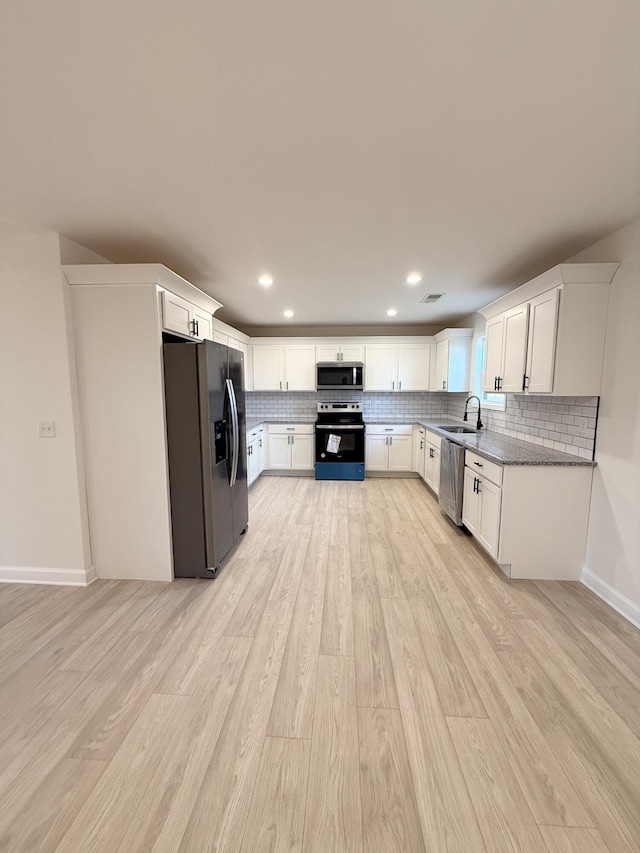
x: 451, y: 480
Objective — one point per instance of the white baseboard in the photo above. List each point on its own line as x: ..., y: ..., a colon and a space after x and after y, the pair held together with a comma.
x: 59, y: 577
x: 623, y: 605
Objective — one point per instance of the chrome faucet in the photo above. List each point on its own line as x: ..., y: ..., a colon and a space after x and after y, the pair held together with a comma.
x: 473, y: 397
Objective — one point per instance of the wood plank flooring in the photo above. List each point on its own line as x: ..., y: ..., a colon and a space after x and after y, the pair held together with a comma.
x: 360, y: 677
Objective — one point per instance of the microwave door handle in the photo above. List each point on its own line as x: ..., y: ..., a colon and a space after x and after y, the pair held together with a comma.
x: 354, y: 376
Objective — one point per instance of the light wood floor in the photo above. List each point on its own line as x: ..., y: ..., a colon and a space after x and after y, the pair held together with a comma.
x: 359, y: 678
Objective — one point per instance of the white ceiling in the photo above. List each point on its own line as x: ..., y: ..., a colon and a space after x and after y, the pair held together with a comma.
x: 337, y: 145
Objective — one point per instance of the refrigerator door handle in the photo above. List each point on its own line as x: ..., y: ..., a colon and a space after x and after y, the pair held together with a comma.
x: 235, y: 428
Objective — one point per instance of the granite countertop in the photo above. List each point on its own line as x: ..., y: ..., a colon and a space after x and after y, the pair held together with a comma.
x: 492, y: 445
x: 253, y: 422
x: 503, y: 449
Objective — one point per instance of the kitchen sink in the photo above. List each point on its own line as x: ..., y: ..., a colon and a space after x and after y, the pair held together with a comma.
x: 447, y: 428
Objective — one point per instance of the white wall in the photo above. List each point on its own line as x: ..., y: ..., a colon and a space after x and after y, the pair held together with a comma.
x: 613, y: 543
x: 43, y: 513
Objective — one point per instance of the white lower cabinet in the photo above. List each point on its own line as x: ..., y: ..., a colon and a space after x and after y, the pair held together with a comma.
x: 255, y: 453
x: 432, y: 461
x: 426, y: 456
x: 389, y: 448
x: 291, y: 447
x: 481, y: 509
x: 532, y: 519
x: 419, y: 446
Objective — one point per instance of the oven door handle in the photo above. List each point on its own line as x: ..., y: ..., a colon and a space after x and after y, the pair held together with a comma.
x: 340, y: 426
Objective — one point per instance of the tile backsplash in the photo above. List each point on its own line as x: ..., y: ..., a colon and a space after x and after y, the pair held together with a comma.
x: 562, y: 423
x: 275, y: 404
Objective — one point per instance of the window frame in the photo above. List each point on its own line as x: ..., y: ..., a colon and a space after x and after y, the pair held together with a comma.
x: 489, y: 400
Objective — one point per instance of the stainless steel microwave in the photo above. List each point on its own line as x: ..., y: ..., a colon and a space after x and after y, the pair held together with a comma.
x: 339, y: 375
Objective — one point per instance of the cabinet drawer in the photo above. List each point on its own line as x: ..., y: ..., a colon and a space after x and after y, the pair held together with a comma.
x: 434, y: 438
x: 291, y: 429
x: 389, y: 429
x: 254, y: 433
x: 483, y: 467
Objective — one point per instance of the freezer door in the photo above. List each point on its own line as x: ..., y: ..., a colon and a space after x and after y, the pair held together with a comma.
x: 214, y: 408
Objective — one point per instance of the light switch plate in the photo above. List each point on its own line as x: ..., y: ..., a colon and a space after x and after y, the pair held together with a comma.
x: 46, y: 429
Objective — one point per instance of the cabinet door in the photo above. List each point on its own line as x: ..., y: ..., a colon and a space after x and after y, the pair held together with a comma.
x: 400, y: 453
x: 516, y: 323
x: 493, y: 350
x: 435, y: 485
x: 419, y: 448
x: 541, y: 349
x: 268, y: 367
x: 204, y: 322
x: 380, y: 371
x: 302, y: 452
x: 413, y: 367
x: 488, y: 530
x: 432, y: 466
x: 470, y: 503
x: 442, y: 365
x: 261, y: 452
x: 220, y: 338
x: 300, y: 367
x: 328, y: 352
x: 279, y: 451
x: 253, y: 468
x: 352, y: 352
x: 176, y: 314
x: 377, y: 453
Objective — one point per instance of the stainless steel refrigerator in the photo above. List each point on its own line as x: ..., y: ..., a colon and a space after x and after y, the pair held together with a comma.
x: 206, y: 438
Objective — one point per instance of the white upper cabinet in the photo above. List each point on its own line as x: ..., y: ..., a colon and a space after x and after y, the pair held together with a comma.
x: 397, y: 367
x: 506, y: 350
x: 280, y: 367
x: 300, y: 367
x: 453, y: 360
x: 351, y: 352
x: 268, y: 367
x: 339, y: 351
x: 185, y: 318
x: 381, y: 367
x: 541, y: 346
x: 547, y: 337
x: 414, y: 362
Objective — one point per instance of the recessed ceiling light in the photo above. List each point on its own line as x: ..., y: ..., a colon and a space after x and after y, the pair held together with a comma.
x: 265, y: 280
x: 392, y: 312
x: 414, y: 278
x: 288, y: 313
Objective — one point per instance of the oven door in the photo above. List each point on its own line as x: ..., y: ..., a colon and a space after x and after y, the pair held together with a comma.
x: 340, y: 443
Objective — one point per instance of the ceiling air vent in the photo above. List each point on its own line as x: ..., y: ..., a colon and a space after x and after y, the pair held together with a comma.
x: 431, y: 297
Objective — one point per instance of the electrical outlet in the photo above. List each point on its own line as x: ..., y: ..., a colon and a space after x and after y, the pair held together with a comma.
x: 46, y: 429
x: 583, y: 425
